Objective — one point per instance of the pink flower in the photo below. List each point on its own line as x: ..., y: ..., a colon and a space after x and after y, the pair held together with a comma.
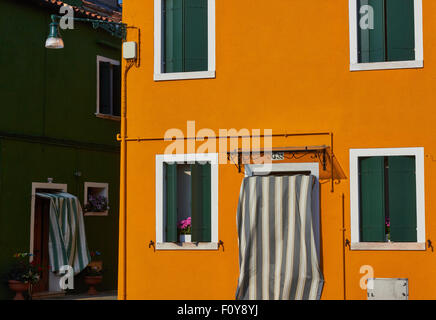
x: 184, y: 224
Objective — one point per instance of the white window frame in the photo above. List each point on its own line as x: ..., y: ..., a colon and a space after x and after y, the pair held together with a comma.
x: 158, y: 74
x: 355, y: 154
x: 97, y: 112
x: 99, y: 185
x: 419, y: 50
x: 160, y: 191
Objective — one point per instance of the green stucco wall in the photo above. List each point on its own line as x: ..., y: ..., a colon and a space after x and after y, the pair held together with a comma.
x: 47, y: 97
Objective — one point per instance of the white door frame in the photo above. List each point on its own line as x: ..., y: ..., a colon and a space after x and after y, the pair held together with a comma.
x: 313, y: 167
x: 53, y: 283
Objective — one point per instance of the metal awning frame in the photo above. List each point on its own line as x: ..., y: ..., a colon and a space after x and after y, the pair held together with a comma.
x: 318, y: 152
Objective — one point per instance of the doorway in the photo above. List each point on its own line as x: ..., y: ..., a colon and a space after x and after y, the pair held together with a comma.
x: 39, y: 236
x: 279, y: 232
x: 290, y: 169
x: 40, y: 242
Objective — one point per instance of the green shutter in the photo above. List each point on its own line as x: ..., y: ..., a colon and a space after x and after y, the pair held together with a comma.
x: 207, y: 202
x: 105, y: 88
x: 196, y: 38
x: 402, y: 198
x: 173, y: 44
x: 371, y: 42
x: 171, y: 202
x: 372, y: 199
x: 116, y: 91
x: 186, y: 35
x: 201, y: 202
x: 400, y: 22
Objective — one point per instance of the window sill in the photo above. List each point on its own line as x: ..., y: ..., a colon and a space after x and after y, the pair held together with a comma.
x: 96, y: 214
x: 187, y: 246
x: 388, y: 246
x: 107, y: 116
x: 184, y: 75
x: 387, y: 65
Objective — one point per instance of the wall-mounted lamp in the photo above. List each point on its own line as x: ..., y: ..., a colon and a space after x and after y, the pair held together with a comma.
x: 54, y: 39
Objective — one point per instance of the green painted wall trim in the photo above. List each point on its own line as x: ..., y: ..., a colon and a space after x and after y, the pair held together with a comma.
x: 59, y: 142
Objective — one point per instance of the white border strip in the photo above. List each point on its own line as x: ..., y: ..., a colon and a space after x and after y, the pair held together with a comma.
x: 388, y: 246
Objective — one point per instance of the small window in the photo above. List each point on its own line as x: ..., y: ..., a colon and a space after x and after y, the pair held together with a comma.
x: 96, y: 199
x: 185, y: 39
x: 108, y: 88
x: 385, y: 34
x: 387, y: 197
x: 186, y: 204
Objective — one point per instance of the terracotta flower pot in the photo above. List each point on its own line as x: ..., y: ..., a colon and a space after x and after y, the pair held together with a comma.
x: 18, y: 287
x: 92, y: 281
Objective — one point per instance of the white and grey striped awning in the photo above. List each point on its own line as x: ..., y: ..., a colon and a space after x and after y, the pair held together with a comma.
x: 67, y: 239
x: 278, y: 257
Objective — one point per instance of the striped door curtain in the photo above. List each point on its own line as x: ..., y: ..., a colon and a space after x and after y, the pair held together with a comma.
x: 67, y: 239
x: 278, y: 257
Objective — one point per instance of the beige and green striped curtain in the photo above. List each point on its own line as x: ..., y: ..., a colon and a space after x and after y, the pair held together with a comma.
x: 67, y: 239
x: 278, y: 256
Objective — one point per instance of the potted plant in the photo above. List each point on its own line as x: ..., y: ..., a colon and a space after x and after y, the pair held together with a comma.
x: 23, y: 275
x: 94, y: 272
x: 388, y: 229
x: 184, y: 227
x: 96, y: 204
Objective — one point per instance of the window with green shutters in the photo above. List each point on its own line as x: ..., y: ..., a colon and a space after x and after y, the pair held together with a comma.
x: 390, y: 36
x: 184, y: 43
x: 185, y: 35
x: 188, y: 194
x: 109, y: 87
x: 386, y: 34
x: 387, y: 199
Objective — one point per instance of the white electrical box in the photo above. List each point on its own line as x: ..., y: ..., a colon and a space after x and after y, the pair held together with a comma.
x: 129, y: 50
x: 388, y: 289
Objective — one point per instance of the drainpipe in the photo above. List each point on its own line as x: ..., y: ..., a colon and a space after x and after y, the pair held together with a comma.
x: 343, y: 248
x: 122, y: 279
x: 122, y: 258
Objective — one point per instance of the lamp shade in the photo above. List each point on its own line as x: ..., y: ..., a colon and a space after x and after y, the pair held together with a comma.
x: 54, y: 40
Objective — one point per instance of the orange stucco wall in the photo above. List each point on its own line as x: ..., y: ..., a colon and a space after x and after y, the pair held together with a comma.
x: 281, y: 65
